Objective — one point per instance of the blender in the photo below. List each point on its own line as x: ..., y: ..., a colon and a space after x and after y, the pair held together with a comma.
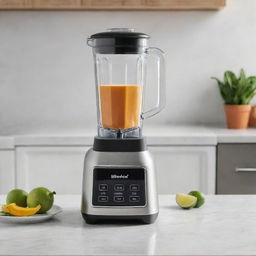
x: 119, y: 180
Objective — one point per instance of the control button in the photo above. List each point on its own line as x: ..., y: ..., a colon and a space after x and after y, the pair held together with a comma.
x: 103, y: 187
x: 134, y: 199
x: 119, y: 187
x: 103, y: 199
x: 118, y: 198
x: 134, y: 187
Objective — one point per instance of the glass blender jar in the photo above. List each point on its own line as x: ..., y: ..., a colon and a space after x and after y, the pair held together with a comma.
x: 120, y: 59
x: 119, y: 181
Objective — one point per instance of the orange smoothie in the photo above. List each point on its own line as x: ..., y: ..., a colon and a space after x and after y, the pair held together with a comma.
x: 120, y: 106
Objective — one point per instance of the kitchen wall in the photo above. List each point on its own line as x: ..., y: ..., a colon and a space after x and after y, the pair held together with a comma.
x: 46, y: 71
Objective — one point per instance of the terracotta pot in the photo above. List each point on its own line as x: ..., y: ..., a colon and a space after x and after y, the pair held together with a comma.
x: 252, y: 120
x: 237, y: 116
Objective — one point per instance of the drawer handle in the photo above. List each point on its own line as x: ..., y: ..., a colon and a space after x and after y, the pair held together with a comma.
x: 245, y: 169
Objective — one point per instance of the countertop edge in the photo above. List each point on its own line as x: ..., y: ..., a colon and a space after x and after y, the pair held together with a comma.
x: 185, y: 135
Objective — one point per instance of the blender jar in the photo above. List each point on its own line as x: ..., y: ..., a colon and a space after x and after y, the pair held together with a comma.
x: 120, y: 57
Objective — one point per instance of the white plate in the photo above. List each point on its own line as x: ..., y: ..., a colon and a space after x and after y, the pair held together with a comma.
x: 33, y: 219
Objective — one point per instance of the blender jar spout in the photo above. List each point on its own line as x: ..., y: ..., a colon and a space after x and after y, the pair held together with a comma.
x: 90, y: 42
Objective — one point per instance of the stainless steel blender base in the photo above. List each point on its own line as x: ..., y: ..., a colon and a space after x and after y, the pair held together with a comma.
x: 94, y: 212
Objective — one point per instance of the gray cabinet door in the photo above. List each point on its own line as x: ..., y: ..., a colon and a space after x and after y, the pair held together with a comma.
x: 236, y: 169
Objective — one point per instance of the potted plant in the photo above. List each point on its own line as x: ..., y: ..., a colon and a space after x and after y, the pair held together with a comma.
x: 237, y: 93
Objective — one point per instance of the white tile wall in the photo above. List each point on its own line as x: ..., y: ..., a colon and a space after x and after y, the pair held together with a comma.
x: 46, y: 71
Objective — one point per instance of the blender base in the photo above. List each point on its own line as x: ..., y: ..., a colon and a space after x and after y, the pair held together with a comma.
x: 143, y: 219
x: 119, y: 182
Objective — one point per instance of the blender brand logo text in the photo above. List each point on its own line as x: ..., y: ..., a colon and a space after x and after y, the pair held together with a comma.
x: 115, y: 176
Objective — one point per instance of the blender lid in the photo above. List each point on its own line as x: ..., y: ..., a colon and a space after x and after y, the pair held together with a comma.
x: 120, y: 33
x: 119, y: 41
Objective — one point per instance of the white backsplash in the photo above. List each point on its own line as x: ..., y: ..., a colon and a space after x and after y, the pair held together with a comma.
x: 46, y: 69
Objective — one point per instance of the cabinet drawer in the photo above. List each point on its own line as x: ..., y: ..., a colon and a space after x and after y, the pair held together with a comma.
x: 236, y: 169
x: 182, y: 169
x: 7, y: 160
x: 57, y: 168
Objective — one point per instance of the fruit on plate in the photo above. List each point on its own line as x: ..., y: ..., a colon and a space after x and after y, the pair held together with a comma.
x: 200, y: 198
x: 17, y: 196
x: 186, y: 201
x: 41, y: 196
x: 16, y: 210
x: 4, y: 208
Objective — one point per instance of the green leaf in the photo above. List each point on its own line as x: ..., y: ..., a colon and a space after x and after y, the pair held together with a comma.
x: 218, y: 81
x: 252, y: 80
x: 230, y: 78
x: 242, y: 75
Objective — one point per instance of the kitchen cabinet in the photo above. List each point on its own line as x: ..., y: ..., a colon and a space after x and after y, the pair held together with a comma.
x: 236, y: 168
x: 57, y: 168
x: 7, y: 171
x: 112, y: 5
x: 179, y: 169
x: 186, y: 168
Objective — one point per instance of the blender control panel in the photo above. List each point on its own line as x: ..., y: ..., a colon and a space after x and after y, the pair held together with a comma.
x: 119, y: 187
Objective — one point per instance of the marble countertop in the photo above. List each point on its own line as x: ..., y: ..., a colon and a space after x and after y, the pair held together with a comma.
x: 156, y: 135
x: 169, y: 135
x: 225, y: 225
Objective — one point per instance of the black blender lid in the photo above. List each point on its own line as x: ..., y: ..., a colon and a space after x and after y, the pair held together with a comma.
x: 120, y: 32
x: 119, y: 41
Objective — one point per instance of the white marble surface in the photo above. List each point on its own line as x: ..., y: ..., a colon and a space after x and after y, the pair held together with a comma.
x: 234, y: 136
x: 225, y: 225
x: 180, y: 135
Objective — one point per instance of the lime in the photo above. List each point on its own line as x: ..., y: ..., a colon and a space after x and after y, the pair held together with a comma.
x: 200, y: 198
x: 17, y: 196
x: 42, y: 196
x: 186, y: 201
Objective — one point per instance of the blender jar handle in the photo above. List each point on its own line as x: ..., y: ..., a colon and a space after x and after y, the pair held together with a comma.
x: 160, y: 104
